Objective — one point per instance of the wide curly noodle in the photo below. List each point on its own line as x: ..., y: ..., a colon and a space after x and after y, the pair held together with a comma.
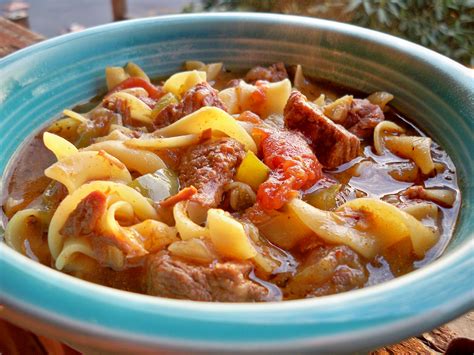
x: 116, y: 202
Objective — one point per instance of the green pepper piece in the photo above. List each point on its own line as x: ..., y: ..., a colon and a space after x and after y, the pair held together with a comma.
x: 166, y: 100
x: 66, y: 127
x: 51, y: 197
x: 86, y: 137
x: 325, y: 198
x: 157, y: 186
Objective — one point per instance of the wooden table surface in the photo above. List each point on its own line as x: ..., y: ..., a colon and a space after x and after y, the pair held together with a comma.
x: 457, y: 335
x: 14, y: 37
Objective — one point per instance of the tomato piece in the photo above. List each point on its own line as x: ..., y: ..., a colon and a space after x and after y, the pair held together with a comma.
x: 293, y: 163
x: 182, y: 195
x: 135, y: 82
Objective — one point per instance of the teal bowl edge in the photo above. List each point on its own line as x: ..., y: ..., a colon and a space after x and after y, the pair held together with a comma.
x: 361, y: 319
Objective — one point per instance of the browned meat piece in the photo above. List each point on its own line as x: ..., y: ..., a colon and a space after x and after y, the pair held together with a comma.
x: 84, y: 219
x: 332, y: 143
x: 328, y: 270
x: 208, y: 167
x: 172, y: 277
x: 363, y: 117
x: 275, y: 72
x: 198, y: 96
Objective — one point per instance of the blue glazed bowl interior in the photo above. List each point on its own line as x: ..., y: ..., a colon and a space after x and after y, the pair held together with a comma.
x: 37, y: 83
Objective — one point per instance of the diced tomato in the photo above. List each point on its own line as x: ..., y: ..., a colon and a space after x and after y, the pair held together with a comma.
x: 134, y: 82
x: 293, y: 163
x: 183, y: 195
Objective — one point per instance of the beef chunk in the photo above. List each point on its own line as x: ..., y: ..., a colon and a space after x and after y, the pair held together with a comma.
x: 362, y: 118
x: 169, y: 276
x: 84, y: 219
x: 332, y: 143
x: 293, y: 163
x: 208, y: 167
x: 273, y: 73
x: 198, y: 96
x: 327, y: 270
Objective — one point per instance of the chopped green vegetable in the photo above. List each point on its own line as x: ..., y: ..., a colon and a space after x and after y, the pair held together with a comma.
x: 49, y: 199
x: 157, y: 186
x: 135, y: 71
x: 87, y: 135
x: 97, y: 125
x: 66, y: 128
x: 166, y: 100
x: 325, y: 198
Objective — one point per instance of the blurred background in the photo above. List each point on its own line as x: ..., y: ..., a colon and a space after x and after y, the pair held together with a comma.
x: 446, y: 26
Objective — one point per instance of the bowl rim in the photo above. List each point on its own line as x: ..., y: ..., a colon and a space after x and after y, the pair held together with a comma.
x: 389, y: 327
x: 424, y: 320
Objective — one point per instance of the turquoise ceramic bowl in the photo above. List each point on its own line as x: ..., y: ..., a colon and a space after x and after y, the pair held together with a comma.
x: 38, y: 82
